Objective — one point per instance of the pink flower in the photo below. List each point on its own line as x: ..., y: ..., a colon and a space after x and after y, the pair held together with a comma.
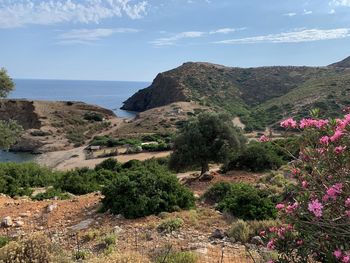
x: 324, y: 140
x: 334, y: 191
x: 289, y: 123
x: 300, y: 242
x: 347, y: 202
x: 304, y: 184
x: 270, y: 261
x: 337, y: 135
x: 264, y: 139
x: 271, y: 244
x: 339, y: 149
x: 337, y: 253
x: 316, y: 208
x: 280, y: 206
x: 296, y: 171
x: 346, y: 259
x: 291, y: 208
x: 262, y: 233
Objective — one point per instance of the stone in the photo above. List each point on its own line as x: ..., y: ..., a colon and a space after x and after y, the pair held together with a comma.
x: 117, y: 230
x: 217, y: 234
x: 51, y: 207
x: 257, y: 241
x: 7, y: 221
x: 19, y: 223
x: 26, y: 214
x: 82, y: 225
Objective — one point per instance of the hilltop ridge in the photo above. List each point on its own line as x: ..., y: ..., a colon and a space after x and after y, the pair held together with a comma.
x: 272, y: 92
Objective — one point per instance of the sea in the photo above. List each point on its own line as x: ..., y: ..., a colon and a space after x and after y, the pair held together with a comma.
x: 107, y: 94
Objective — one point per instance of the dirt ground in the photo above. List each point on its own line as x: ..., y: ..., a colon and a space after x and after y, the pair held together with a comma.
x: 71, y: 221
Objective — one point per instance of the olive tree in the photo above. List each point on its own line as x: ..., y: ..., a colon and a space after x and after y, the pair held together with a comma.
x: 10, y: 131
x: 6, y: 83
x: 210, y: 137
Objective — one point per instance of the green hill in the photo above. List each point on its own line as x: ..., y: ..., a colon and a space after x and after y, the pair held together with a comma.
x: 259, y: 96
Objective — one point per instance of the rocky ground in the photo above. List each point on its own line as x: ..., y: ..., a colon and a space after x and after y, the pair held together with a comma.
x: 76, y: 223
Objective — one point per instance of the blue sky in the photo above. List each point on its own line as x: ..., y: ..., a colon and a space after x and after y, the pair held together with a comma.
x: 136, y: 39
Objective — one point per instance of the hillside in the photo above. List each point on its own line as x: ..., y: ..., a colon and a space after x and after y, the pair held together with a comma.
x: 260, y: 96
x: 52, y: 126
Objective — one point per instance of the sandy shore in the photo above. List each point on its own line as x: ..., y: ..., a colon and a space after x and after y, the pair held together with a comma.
x: 75, y: 158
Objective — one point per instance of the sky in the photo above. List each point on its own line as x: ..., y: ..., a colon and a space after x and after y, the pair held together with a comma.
x: 136, y: 39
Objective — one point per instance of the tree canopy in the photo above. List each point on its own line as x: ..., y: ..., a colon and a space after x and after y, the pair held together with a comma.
x: 6, y: 83
x: 10, y: 131
x: 209, y: 137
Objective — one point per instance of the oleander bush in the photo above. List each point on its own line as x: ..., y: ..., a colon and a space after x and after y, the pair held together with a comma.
x: 316, y: 219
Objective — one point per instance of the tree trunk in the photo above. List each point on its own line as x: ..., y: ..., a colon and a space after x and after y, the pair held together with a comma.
x: 205, y: 168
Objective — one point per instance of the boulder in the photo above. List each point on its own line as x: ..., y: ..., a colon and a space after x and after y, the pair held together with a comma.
x: 7, y: 222
x: 217, y: 234
x: 207, y: 176
x: 51, y: 207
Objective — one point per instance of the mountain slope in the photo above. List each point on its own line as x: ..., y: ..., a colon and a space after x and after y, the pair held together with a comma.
x: 260, y: 96
x: 342, y: 64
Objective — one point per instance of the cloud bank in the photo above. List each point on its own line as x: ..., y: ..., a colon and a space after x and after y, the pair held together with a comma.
x: 23, y: 12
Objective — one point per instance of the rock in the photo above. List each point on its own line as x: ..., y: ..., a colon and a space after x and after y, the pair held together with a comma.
x: 117, y: 230
x: 19, y: 223
x: 257, y: 241
x: 7, y: 221
x: 82, y: 225
x: 217, y: 234
x: 51, y: 207
x: 26, y: 214
x: 207, y: 176
x: 119, y: 216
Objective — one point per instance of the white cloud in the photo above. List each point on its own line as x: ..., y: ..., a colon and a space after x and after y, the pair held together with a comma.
x: 224, y: 31
x: 22, y: 12
x: 340, y: 3
x: 173, y: 39
x: 307, y: 35
x: 167, y: 41
x: 331, y: 12
x: 290, y: 14
x: 86, y: 36
x: 307, y: 12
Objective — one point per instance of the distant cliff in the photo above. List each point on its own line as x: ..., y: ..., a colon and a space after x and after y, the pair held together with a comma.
x: 52, y: 126
x: 260, y: 96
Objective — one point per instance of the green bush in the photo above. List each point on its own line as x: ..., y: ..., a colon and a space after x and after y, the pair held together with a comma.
x: 4, y: 241
x: 18, y: 179
x: 240, y: 231
x: 217, y: 192
x: 248, y: 203
x: 93, y: 116
x: 50, y: 194
x: 170, y: 225
x: 110, y: 164
x: 144, y: 190
x: 241, y: 200
x: 83, y: 181
x: 159, y: 147
x: 256, y: 157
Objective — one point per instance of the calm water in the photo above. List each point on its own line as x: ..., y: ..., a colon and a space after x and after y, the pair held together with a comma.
x: 107, y: 94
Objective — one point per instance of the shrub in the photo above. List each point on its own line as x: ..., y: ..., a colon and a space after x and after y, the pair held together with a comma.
x: 244, y: 231
x: 4, y: 241
x: 118, y: 257
x: 83, y: 181
x: 50, y: 194
x: 110, y: 240
x: 34, y: 248
x: 146, y: 190
x: 17, y: 179
x: 170, y: 225
x: 217, y: 192
x: 317, y: 218
x: 256, y: 157
x: 110, y: 164
x: 248, y: 203
x: 93, y: 116
x: 240, y: 231
x: 178, y: 257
